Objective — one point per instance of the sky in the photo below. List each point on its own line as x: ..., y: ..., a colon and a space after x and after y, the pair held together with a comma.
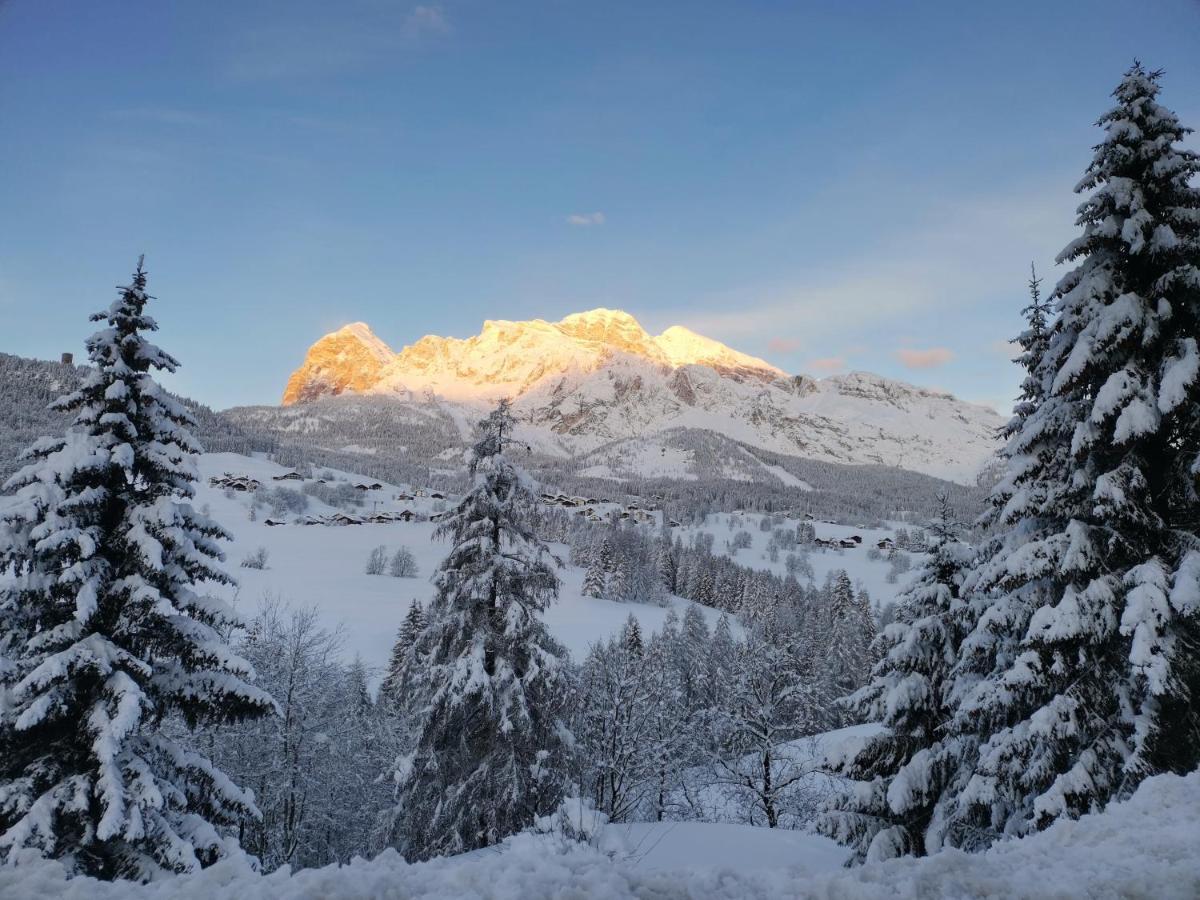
x: 832, y: 187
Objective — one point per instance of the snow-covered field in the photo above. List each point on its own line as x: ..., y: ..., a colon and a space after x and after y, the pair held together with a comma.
x: 1142, y: 848
x: 869, y: 573
x: 323, y: 566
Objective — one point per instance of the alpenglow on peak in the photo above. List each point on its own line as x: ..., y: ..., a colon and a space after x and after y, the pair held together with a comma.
x: 505, y: 358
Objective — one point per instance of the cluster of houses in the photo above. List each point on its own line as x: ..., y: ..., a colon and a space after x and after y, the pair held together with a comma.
x: 586, y: 507
x: 419, y: 492
x: 343, y: 518
x: 240, y: 483
x: 246, y: 484
x: 849, y: 543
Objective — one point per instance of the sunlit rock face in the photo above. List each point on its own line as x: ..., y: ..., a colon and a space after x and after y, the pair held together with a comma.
x: 598, y: 378
x: 507, y: 358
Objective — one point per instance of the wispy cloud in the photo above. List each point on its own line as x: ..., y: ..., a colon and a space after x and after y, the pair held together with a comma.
x: 345, y: 40
x: 162, y: 115
x: 783, y: 345
x: 970, y: 248
x: 924, y: 359
x: 427, y: 20
x: 1007, y: 349
x: 827, y: 364
x: 586, y: 220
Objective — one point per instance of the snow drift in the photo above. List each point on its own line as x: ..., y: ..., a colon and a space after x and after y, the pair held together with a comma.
x: 1144, y: 847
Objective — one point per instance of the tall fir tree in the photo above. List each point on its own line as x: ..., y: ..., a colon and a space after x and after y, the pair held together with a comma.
x: 595, y: 579
x: 848, y: 639
x: 1086, y: 646
x: 109, y: 632
x: 395, y: 689
x: 900, y: 775
x: 493, y: 751
x: 1033, y: 342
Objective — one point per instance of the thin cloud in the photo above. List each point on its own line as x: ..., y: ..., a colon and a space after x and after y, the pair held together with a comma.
x: 827, y: 364
x: 427, y: 20
x: 783, y: 345
x: 957, y: 260
x: 585, y: 220
x: 368, y: 35
x: 162, y: 115
x: 1007, y: 349
x: 924, y: 359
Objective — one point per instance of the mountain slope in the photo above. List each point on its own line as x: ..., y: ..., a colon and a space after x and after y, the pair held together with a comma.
x: 598, y: 377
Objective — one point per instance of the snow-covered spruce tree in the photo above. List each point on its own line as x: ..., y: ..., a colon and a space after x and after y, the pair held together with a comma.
x: 851, y: 631
x: 1086, y: 646
x: 595, y: 579
x: 1033, y: 342
x: 493, y: 751
x: 107, y: 630
x: 900, y: 775
x: 394, y: 691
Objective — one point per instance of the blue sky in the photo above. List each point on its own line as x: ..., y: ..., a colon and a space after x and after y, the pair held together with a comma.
x: 830, y: 186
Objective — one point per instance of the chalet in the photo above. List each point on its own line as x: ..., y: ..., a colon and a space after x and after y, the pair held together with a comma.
x: 402, y: 496
x: 826, y: 544
x: 885, y: 544
x: 342, y: 519
x: 435, y: 495
x: 857, y: 538
x: 847, y: 544
x: 235, y: 482
x: 271, y: 523
x: 288, y: 476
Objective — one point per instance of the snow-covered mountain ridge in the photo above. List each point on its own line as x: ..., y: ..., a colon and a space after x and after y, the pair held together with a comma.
x: 505, y: 358
x: 598, y: 377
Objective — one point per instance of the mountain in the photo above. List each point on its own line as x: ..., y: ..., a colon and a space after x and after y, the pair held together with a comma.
x: 596, y: 385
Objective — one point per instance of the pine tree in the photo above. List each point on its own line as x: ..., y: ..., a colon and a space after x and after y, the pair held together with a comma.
x: 631, y: 636
x: 901, y: 774
x: 493, y: 751
x: 108, y: 631
x: 849, y: 636
x: 666, y: 565
x: 1033, y: 342
x: 595, y: 579
x: 620, y: 584
x: 1086, y: 648
x: 395, y: 688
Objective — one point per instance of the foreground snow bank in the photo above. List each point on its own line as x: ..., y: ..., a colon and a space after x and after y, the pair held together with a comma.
x: 1142, y: 848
